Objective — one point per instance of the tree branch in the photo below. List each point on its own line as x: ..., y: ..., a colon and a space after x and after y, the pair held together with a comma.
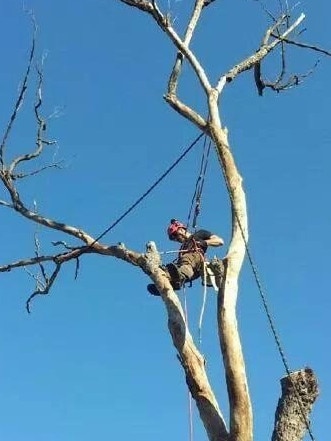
x: 44, y: 283
x: 118, y: 251
x: 6, y: 204
x: 41, y: 128
x: 50, y: 223
x: 186, y: 112
x: 176, y: 70
x: 43, y: 289
x: 57, y: 258
x: 190, y: 358
x: 21, y: 95
x: 171, y: 96
x: 163, y: 22
x: 39, y: 170
x: 263, y: 51
x: 302, y: 45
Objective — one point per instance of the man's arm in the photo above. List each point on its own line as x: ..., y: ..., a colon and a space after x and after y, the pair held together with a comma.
x: 214, y: 241
x: 208, y: 239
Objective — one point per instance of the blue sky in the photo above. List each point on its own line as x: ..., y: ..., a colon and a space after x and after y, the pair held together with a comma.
x: 94, y: 360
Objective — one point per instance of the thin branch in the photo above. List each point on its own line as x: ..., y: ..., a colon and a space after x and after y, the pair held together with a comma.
x: 37, y: 260
x: 6, y: 204
x: 183, y: 51
x: 283, y: 64
x: 43, y: 290
x: 260, y: 83
x: 77, y: 267
x: 36, y: 278
x: 57, y: 165
x: 62, y: 242
x: 272, y: 28
x: 21, y: 95
x: 171, y: 96
x: 35, y: 217
x: 118, y: 251
x: 258, y: 78
x: 176, y: 70
x: 44, y: 282
x: 302, y: 45
x: 163, y: 22
x: 262, y: 52
x: 266, y: 10
x: 292, y: 81
x: 41, y: 128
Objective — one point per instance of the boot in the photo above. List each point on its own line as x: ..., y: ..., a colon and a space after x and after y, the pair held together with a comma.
x: 152, y: 289
x: 176, y: 279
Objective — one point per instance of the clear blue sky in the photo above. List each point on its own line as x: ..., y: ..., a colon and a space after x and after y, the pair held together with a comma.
x: 94, y: 360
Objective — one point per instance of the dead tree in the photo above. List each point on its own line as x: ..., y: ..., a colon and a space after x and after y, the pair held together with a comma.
x: 299, y: 390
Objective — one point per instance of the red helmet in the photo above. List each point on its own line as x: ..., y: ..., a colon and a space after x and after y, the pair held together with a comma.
x: 173, y: 228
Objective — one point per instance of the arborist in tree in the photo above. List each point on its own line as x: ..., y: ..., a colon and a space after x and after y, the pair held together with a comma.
x: 190, y: 263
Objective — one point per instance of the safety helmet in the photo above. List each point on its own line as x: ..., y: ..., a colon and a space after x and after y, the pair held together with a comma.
x: 173, y: 228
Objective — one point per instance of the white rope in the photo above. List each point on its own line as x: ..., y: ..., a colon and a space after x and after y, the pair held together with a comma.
x: 203, y: 301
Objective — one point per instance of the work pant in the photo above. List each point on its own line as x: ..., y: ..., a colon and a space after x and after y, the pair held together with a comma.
x: 190, y: 265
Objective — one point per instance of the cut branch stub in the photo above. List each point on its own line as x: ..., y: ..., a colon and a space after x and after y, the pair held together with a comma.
x: 299, y: 392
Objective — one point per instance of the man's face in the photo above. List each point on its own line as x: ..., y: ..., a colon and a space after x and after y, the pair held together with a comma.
x: 181, y: 235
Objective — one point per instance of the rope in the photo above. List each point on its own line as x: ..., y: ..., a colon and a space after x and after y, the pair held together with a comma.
x: 201, y: 185
x: 264, y: 302
x: 204, y: 298
x: 148, y: 191
x: 196, y: 198
x: 173, y: 251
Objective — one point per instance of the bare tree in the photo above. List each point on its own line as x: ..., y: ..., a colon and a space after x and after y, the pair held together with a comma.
x: 299, y: 389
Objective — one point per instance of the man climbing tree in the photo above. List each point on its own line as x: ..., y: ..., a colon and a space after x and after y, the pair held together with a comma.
x: 191, y: 262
